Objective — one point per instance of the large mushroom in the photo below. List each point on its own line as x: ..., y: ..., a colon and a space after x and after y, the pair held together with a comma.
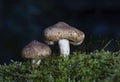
x: 63, y: 33
x: 35, y: 51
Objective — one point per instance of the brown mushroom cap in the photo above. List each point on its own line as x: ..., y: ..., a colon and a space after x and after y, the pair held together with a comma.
x: 35, y: 49
x: 62, y: 30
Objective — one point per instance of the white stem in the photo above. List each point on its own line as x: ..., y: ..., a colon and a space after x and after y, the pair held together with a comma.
x: 64, y: 47
x: 37, y: 62
x: 33, y: 61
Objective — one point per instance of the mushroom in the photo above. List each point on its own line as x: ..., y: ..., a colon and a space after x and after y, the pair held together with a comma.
x: 35, y: 51
x: 63, y: 33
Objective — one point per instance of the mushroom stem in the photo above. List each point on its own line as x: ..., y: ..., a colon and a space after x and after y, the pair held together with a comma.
x: 36, y: 62
x: 64, y: 47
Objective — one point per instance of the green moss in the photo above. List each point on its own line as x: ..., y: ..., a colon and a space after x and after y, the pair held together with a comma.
x: 98, y: 66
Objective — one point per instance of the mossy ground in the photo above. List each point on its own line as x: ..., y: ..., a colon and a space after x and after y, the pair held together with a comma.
x: 98, y: 66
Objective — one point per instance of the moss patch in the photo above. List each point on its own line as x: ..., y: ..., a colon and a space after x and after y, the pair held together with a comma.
x: 98, y: 66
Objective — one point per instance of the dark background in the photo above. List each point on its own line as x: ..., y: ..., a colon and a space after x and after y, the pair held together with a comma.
x: 22, y: 21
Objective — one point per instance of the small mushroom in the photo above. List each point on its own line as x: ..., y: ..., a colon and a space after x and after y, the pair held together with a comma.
x: 63, y: 33
x: 36, y: 51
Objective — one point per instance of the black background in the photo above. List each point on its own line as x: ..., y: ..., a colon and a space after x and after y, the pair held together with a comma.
x: 22, y: 21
